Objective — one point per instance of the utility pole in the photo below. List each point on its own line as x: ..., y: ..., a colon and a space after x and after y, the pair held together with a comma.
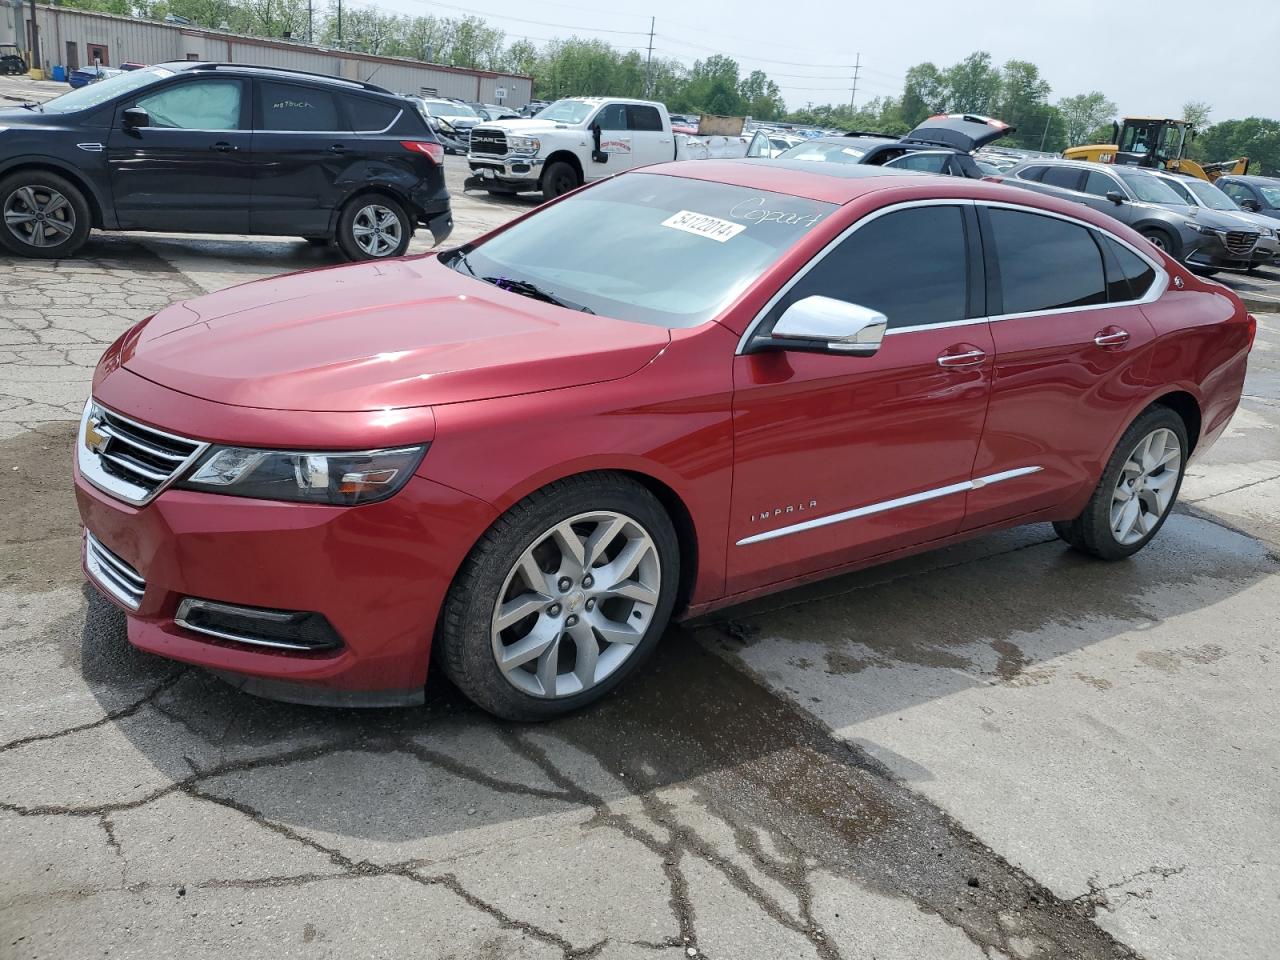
x: 857, y: 69
x: 339, y: 24
x: 648, y: 63
x: 311, y: 24
x: 35, y: 40
x: 1044, y: 136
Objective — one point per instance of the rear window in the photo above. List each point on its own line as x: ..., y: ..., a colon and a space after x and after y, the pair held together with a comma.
x: 287, y: 106
x: 1066, y: 178
x: 371, y: 116
x: 1046, y: 263
x: 643, y: 118
x: 1130, y: 277
x: 1032, y: 173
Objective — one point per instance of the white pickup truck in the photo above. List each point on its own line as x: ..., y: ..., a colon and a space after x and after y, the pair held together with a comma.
x: 578, y: 140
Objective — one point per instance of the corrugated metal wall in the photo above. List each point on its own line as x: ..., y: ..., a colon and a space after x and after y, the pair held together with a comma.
x: 144, y: 41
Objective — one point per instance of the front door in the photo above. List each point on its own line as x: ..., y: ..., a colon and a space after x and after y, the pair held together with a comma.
x: 610, y: 142
x: 837, y: 457
x: 1069, y: 339
x: 188, y: 169
x: 302, y: 144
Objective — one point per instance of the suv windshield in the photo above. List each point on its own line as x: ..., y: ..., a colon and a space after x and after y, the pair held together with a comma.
x: 654, y: 249
x: 1272, y: 195
x: 566, y: 111
x: 446, y: 109
x: 96, y: 94
x: 834, y: 151
x: 1209, y: 195
x: 1150, y: 189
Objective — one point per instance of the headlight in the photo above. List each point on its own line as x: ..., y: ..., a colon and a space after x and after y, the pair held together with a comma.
x: 524, y: 144
x: 1206, y: 230
x: 342, y: 479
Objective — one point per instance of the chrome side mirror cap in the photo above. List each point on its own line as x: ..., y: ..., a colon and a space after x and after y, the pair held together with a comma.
x: 827, y: 325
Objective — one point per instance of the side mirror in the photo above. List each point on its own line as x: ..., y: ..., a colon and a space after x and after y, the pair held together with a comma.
x: 825, y: 325
x: 136, y: 117
x: 1250, y: 204
x: 1116, y: 197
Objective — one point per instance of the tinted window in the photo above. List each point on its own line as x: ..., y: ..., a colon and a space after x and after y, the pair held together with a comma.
x: 1032, y: 173
x: 285, y: 106
x: 1132, y: 276
x: 612, y: 117
x: 1068, y: 178
x: 643, y: 118
x: 198, y: 105
x: 910, y: 265
x: 370, y: 116
x: 928, y: 162
x: 1099, y: 184
x: 1046, y: 263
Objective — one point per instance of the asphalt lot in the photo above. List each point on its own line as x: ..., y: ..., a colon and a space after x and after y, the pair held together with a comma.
x: 1001, y: 750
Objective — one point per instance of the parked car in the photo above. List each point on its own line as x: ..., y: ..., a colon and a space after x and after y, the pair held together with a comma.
x: 222, y: 148
x: 451, y: 120
x: 671, y: 391
x: 1201, y: 193
x: 1255, y: 194
x: 493, y: 111
x: 780, y: 143
x: 94, y: 73
x: 1135, y: 196
x: 533, y: 108
x: 11, y: 59
x: 941, y: 144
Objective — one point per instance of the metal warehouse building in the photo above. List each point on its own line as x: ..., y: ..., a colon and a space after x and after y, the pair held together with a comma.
x: 73, y: 38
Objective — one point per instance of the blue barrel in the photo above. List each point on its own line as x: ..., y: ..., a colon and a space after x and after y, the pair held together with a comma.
x: 60, y: 73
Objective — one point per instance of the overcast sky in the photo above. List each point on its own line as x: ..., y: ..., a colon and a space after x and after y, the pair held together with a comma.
x: 1149, y: 58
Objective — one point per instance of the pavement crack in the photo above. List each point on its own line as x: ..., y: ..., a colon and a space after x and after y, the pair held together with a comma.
x: 1223, y: 493
x: 1098, y: 896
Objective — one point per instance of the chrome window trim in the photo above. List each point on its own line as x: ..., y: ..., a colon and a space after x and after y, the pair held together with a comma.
x: 1154, y: 292
x: 110, y: 485
x: 885, y: 505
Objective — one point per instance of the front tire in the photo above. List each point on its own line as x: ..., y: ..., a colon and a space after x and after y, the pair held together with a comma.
x: 45, y: 215
x: 1137, y: 491
x: 563, y: 598
x: 1163, y: 240
x: 373, y: 228
x: 558, y: 179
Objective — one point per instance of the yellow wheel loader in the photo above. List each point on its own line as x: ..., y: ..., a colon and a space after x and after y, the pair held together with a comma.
x: 1155, y: 142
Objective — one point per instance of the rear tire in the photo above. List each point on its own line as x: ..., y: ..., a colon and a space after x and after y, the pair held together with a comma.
x: 1137, y: 491
x: 558, y: 179
x: 521, y: 567
x: 373, y: 227
x: 1164, y: 241
x: 45, y: 215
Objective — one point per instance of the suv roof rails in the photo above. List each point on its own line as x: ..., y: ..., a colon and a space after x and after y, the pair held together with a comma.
x: 361, y: 84
x: 871, y: 133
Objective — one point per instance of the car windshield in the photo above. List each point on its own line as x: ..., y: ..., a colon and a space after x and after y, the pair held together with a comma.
x: 1150, y: 189
x: 649, y: 248
x: 1209, y: 195
x: 446, y: 109
x: 96, y: 94
x: 832, y: 151
x: 566, y: 111
x: 1272, y: 195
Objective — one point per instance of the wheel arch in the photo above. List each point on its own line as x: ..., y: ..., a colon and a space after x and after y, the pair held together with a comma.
x: 567, y: 156
x: 373, y: 190
x: 1187, y: 407
x: 97, y: 206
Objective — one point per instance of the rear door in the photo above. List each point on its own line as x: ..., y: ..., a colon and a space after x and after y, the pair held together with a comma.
x: 650, y: 143
x: 189, y: 170
x: 302, y: 147
x: 1069, y: 340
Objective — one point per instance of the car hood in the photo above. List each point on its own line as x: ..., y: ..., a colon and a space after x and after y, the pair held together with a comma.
x: 966, y: 132
x: 1221, y: 220
x: 379, y: 336
x: 526, y: 128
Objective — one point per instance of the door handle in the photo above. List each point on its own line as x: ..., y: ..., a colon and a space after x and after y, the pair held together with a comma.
x: 223, y: 147
x: 1111, y: 337
x: 970, y: 358
x: 338, y: 148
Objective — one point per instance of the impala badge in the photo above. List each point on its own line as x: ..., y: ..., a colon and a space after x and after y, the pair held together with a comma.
x: 783, y: 511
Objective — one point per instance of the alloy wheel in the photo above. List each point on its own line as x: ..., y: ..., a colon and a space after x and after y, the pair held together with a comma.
x: 376, y: 230
x: 576, y: 604
x: 39, y: 216
x: 1145, y: 488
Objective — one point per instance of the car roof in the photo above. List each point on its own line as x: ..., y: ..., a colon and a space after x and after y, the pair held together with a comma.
x: 284, y: 73
x: 1252, y: 178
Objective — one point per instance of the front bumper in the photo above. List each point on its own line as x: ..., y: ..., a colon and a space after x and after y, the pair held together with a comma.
x: 1215, y: 254
x: 515, y: 172
x: 378, y: 573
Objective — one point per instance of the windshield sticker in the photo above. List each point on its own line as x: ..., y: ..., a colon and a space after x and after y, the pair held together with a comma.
x: 850, y: 151
x: 754, y: 211
x: 702, y: 225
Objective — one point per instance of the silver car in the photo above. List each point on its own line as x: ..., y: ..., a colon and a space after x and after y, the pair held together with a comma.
x: 1206, y: 195
x: 1201, y: 238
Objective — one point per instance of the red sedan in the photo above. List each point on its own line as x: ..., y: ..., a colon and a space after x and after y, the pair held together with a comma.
x: 662, y: 394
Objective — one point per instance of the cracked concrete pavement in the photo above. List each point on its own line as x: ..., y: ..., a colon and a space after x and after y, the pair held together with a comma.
x: 1000, y: 750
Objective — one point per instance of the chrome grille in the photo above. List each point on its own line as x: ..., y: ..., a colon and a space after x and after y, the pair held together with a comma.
x: 1240, y: 242
x: 491, y: 143
x: 112, y: 574
x: 128, y: 459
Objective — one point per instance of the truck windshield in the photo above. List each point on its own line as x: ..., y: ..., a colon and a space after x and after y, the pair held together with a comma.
x: 649, y: 248
x: 95, y: 94
x: 566, y: 111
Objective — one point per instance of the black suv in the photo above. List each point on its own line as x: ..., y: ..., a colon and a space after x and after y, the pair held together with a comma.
x: 222, y: 148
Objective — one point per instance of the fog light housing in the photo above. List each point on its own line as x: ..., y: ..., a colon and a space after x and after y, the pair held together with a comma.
x: 293, y: 630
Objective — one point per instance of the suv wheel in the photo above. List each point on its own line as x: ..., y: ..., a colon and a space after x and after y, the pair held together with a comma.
x: 373, y: 228
x: 45, y: 215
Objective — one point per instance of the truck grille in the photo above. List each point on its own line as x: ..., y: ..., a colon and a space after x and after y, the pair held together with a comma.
x: 127, y: 459
x: 1240, y: 242
x: 490, y: 143
x: 112, y: 574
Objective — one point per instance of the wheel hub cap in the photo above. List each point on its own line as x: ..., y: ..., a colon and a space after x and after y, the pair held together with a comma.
x: 1144, y: 490
x: 39, y: 216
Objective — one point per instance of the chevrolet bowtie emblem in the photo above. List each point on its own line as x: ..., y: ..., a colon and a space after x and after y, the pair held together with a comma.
x: 93, y: 439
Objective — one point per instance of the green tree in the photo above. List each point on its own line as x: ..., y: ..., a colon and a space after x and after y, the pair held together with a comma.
x: 1196, y: 113
x: 762, y: 97
x: 713, y: 86
x: 924, y: 93
x: 1024, y: 104
x: 1253, y: 137
x: 973, y: 85
x: 1083, y: 115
